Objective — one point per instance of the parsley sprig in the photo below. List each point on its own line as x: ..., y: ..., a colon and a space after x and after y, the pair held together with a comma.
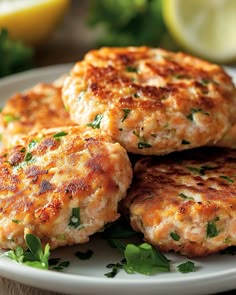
x: 34, y: 256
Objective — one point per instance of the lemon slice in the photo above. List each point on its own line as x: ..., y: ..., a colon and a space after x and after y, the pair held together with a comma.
x: 206, y: 28
x: 31, y: 21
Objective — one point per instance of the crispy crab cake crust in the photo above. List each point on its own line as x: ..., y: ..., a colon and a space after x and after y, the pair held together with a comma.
x: 150, y: 100
x: 38, y: 107
x: 61, y: 185
x: 185, y: 202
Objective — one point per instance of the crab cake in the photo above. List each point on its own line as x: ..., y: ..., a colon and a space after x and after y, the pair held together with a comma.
x: 62, y: 185
x: 36, y: 108
x: 185, y: 202
x: 150, y: 100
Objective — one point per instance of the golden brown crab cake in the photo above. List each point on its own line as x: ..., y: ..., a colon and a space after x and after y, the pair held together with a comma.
x: 229, y: 139
x: 62, y: 185
x: 186, y: 201
x: 150, y: 100
x: 36, y: 108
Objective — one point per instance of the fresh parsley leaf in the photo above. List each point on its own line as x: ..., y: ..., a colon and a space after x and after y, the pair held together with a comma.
x: 32, y: 144
x: 35, y: 256
x: 96, y: 122
x: 186, y: 267
x: 145, y: 259
x: 116, y: 243
x: 131, y: 69
x: 15, y: 221
x: 115, y: 268
x: 75, y: 218
x: 60, y: 134
x: 84, y: 255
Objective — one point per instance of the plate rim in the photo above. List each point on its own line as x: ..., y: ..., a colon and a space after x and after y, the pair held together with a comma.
x: 24, y: 274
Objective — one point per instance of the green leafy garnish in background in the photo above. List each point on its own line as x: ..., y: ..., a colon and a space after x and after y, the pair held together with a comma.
x: 145, y: 259
x: 35, y: 256
x: 14, y: 55
x: 133, y: 22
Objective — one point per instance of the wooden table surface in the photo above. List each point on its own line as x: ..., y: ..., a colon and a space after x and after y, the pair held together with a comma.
x: 68, y: 44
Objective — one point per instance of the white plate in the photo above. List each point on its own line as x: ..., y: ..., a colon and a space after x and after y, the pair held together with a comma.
x: 213, y: 274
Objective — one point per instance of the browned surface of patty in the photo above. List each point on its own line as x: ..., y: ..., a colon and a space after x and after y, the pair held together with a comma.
x: 38, y: 107
x: 62, y: 185
x: 150, y: 100
x: 186, y: 201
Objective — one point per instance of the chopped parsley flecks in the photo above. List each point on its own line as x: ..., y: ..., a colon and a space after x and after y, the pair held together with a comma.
x: 200, y: 170
x: 56, y: 264
x: 84, y: 255
x: 205, y: 82
x: 182, y: 195
x: 132, y: 69
x: 32, y: 144
x: 15, y: 221
x: 10, y: 118
x: 212, y: 230
x: 186, y: 267
x: 59, y: 134
x: 175, y: 236
x: 227, y: 178
x: 34, y: 256
x: 96, y: 122
x: 115, y: 269
x: 194, y: 111
x: 28, y: 157
x: 23, y: 150
x: 75, y: 218
x: 145, y: 259
x: 136, y: 95
x: 184, y: 141
x: 126, y: 113
x: 142, y: 143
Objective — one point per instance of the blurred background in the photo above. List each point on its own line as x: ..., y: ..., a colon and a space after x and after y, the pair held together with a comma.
x: 46, y: 32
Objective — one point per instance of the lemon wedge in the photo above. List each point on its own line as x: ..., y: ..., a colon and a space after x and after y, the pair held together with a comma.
x: 31, y: 21
x: 206, y: 28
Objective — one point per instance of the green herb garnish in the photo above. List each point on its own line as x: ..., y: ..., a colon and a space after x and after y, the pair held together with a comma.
x: 96, y: 122
x: 60, y: 134
x: 143, y: 145
x: 175, y: 236
x: 35, y: 256
x: 15, y: 56
x: 75, y: 218
x: 145, y: 259
x: 117, y: 230
x: 184, y: 141
x: 126, y: 113
x: 32, y: 144
x: 131, y: 69
x: 15, y: 221
x: 84, y: 255
x: 212, y: 230
x: 28, y: 157
x: 194, y: 111
x: 56, y: 264
x: 227, y: 178
x: 10, y: 118
x: 182, y: 195
x: 186, y: 267
x: 200, y: 170
x: 115, y: 268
